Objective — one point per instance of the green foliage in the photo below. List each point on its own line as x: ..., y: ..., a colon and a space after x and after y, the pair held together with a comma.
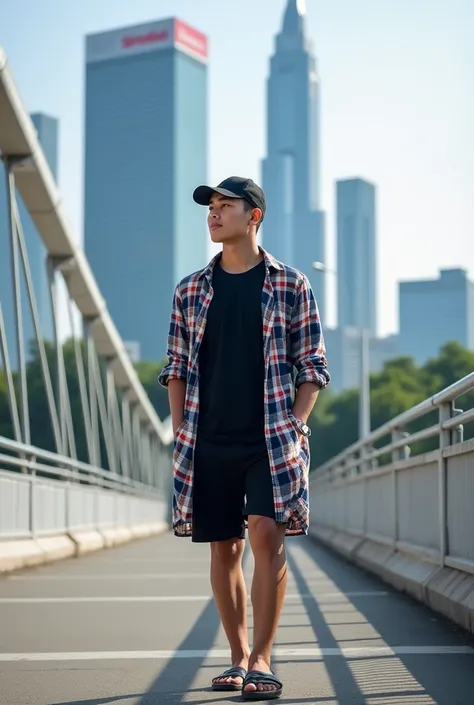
x: 6, y: 428
x: 148, y: 373
x: 40, y: 419
x: 399, y: 386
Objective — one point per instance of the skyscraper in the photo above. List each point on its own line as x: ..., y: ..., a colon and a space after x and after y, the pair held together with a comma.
x: 434, y: 312
x: 47, y: 131
x: 356, y: 255
x: 293, y: 229
x: 146, y: 149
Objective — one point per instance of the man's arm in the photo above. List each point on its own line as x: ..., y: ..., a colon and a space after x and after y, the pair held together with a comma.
x: 307, y: 351
x: 176, y: 395
x: 174, y: 373
x: 305, y: 399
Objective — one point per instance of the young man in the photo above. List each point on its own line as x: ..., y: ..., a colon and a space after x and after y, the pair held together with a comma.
x: 246, y: 363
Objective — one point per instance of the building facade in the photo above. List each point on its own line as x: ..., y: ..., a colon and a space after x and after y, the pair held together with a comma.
x: 47, y: 131
x: 356, y: 254
x: 146, y: 150
x: 343, y: 346
x: 436, y: 311
x: 294, y: 229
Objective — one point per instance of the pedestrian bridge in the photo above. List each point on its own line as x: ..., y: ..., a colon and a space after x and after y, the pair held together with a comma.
x: 100, y: 604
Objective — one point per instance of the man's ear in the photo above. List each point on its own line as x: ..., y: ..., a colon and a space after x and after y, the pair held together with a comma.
x: 256, y: 216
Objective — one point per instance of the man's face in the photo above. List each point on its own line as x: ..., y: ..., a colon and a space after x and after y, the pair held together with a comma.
x: 227, y: 218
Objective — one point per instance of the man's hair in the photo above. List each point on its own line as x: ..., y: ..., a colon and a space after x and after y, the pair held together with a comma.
x: 249, y: 207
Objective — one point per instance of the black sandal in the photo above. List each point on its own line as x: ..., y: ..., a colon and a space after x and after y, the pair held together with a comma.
x: 259, y: 677
x: 234, y: 672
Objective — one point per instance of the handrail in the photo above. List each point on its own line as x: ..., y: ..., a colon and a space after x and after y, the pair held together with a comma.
x: 399, y: 422
x: 68, y: 468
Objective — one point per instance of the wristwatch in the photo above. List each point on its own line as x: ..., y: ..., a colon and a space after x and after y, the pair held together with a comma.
x: 302, y: 427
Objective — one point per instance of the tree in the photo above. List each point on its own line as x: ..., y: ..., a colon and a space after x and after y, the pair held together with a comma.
x: 399, y: 386
x: 334, y: 424
x: 148, y: 373
x: 453, y: 363
x: 6, y: 427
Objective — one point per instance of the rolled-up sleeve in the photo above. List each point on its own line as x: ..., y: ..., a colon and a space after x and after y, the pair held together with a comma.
x: 178, y: 347
x: 307, y: 342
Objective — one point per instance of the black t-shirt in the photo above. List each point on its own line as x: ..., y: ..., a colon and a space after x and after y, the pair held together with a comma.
x: 231, y: 361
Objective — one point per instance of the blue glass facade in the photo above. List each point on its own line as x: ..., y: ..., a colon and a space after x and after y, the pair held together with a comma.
x: 433, y: 312
x: 356, y: 255
x: 146, y: 149
x: 47, y: 130
x: 294, y: 228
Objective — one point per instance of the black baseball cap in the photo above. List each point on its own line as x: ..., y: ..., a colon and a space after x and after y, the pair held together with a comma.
x: 233, y: 187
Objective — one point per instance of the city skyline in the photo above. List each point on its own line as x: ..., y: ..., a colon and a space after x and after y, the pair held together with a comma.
x: 380, y: 119
x: 434, y: 311
x: 294, y: 228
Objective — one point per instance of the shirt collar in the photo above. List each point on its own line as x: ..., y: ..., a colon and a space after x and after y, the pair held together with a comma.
x: 270, y: 264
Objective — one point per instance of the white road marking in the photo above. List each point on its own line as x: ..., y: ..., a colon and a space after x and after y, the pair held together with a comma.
x: 172, y: 598
x: 351, y: 652
x: 156, y: 561
x: 32, y: 576
x: 108, y: 576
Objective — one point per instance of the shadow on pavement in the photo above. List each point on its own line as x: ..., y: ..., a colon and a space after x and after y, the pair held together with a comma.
x: 398, y: 620
x: 345, y: 686
x: 177, y: 676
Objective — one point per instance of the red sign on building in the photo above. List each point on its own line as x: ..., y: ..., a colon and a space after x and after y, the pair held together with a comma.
x: 190, y: 38
x: 145, y: 39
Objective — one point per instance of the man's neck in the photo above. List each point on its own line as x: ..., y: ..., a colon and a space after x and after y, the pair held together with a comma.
x: 240, y: 257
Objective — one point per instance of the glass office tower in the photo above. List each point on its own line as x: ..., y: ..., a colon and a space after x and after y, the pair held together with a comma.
x: 146, y: 150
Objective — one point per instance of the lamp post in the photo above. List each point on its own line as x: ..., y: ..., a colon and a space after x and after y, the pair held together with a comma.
x: 364, y: 396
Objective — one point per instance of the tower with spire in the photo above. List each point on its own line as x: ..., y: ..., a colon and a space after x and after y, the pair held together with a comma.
x: 293, y: 230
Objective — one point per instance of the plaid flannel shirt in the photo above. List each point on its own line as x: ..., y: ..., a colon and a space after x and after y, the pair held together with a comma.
x: 294, y: 353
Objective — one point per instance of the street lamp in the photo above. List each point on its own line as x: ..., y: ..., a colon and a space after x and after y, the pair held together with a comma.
x: 364, y: 396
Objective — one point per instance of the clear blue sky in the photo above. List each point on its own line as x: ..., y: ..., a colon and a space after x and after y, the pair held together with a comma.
x: 397, y: 106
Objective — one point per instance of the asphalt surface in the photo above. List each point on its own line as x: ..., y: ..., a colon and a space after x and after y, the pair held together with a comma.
x: 136, y: 625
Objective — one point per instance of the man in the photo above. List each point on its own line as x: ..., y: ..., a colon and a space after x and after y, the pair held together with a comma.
x: 245, y: 335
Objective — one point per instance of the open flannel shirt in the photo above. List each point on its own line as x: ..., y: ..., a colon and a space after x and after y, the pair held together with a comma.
x: 293, y: 342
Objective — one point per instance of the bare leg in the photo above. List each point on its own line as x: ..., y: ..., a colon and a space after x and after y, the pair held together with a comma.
x: 230, y: 594
x: 268, y: 589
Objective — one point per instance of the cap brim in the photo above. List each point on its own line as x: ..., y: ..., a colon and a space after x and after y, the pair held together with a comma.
x: 203, y: 194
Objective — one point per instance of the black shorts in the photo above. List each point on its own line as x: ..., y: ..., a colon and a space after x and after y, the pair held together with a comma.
x: 231, y: 481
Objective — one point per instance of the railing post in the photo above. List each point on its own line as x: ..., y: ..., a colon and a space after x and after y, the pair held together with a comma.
x: 397, y: 454
x: 33, y: 508
x: 459, y: 430
x: 396, y: 435
x: 445, y: 440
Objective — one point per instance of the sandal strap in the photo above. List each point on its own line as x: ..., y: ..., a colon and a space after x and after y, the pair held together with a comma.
x: 233, y: 672
x: 256, y: 677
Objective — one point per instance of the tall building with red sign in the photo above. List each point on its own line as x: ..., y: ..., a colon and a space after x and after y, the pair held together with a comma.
x: 146, y: 150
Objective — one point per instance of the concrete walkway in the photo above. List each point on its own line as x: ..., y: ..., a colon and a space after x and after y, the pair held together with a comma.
x: 136, y: 625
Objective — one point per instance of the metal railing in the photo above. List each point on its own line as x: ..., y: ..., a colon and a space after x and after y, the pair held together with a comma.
x: 420, y: 504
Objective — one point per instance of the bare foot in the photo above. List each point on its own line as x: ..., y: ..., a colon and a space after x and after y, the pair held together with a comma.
x: 233, y: 680
x: 260, y: 665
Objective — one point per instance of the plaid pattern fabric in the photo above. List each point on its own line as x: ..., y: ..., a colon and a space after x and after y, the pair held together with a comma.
x: 294, y: 353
